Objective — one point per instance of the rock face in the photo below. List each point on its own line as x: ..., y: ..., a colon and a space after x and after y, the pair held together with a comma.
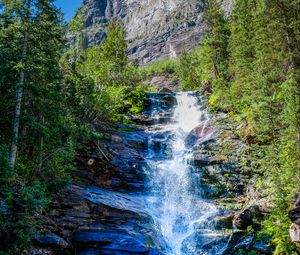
x: 156, y: 29
x: 106, y: 210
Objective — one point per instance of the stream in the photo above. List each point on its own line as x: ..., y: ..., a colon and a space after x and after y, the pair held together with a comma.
x: 181, y: 215
x: 151, y: 197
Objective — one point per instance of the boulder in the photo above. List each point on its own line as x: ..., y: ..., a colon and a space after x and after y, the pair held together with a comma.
x: 169, y: 100
x: 297, y: 200
x: 265, y: 205
x: 249, y: 216
x: 295, y: 233
x: 209, y: 160
x: 244, y: 243
x: 164, y: 83
x: 224, y: 222
x: 165, y: 90
x: 295, y: 215
x: 51, y: 240
x: 199, y: 133
x: 111, y: 240
x: 248, y: 245
x: 138, y: 143
x: 117, y: 200
x: 232, y: 242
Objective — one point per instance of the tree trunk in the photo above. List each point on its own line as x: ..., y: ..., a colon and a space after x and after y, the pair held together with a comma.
x: 19, y: 94
x: 40, y: 163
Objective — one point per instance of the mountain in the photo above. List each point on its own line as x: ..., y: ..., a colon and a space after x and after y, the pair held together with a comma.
x: 156, y: 29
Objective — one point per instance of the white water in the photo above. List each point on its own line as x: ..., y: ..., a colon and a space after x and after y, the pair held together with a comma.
x: 178, y: 212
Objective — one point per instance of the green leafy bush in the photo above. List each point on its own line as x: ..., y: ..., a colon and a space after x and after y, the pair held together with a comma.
x: 160, y: 67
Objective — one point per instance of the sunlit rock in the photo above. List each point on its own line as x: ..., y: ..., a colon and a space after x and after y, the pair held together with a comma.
x: 156, y: 29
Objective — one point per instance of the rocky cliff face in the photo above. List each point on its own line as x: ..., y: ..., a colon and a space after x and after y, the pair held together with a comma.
x: 156, y: 29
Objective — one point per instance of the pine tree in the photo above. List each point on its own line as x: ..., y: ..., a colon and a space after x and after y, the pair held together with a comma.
x: 213, y: 52
x: 242, y: 53
x: 216, y: 39
x: 25, y: 17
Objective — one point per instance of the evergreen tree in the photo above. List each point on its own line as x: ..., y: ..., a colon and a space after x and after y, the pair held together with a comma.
x: 31, y: 45
x: 216, y: 38
x: 19, y: 94
x: 242, y: 53
x: 213, y: 52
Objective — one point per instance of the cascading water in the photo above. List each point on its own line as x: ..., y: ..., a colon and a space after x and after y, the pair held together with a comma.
x: 180, y: 215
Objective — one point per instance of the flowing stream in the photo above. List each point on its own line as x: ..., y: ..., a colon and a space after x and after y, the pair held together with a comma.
x: 182, y: 217
x: 160, y: 208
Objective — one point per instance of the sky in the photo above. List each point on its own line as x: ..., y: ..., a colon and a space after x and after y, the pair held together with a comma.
x: 68, y: 7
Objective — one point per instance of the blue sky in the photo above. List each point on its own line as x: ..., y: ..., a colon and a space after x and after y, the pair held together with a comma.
x: 68, y: 7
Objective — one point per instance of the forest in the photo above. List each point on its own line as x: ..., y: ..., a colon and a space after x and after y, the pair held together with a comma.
x: 247, y: 65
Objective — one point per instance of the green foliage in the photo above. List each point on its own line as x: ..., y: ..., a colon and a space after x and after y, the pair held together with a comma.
x: 101, y: 79
x: 248, y: 64
x: 19, y: 204
x: 47, y: 131
x: 76, y: 25
x: 253, y: 73
x: 188, y: 71
x: 136, y: 98
x: 160, y: 67
x: 58, y: 168
x: 209, y: 64
x: 63, y: 95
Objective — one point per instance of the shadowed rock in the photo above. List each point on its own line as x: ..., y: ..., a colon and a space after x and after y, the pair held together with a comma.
x: 51, y: 240
x: 247, y: 217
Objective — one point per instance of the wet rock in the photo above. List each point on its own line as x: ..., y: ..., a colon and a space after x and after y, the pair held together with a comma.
x: 222, y: 222
x: 99, y: 251
x: 249, y: 216
x: 244, y: 244
x: 213, y: 188
x: 169, y: 100
x: 209, y: 160
x: 138, y: 143
x: 50, y: 240
x: 111, y: 240
x: 241, y: 243
x: 263, y: 246
x: 112, y: 199
x: 233, y: 241
x: 140, y: 120
x: 203, y: 132
x: 74, y: 201
x: 210, y: 244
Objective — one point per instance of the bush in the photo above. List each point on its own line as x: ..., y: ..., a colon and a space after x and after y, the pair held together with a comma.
x: 20, y: 202
x: 168, y: 66
x: 136, y: 98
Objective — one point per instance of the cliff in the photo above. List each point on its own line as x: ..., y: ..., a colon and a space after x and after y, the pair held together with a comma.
x: 156, y: 29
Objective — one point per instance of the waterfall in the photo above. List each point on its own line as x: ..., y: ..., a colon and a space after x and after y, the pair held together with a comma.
x: 179, y: 212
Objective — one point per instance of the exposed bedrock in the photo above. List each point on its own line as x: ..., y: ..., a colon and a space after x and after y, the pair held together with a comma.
x: 156, y: 29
